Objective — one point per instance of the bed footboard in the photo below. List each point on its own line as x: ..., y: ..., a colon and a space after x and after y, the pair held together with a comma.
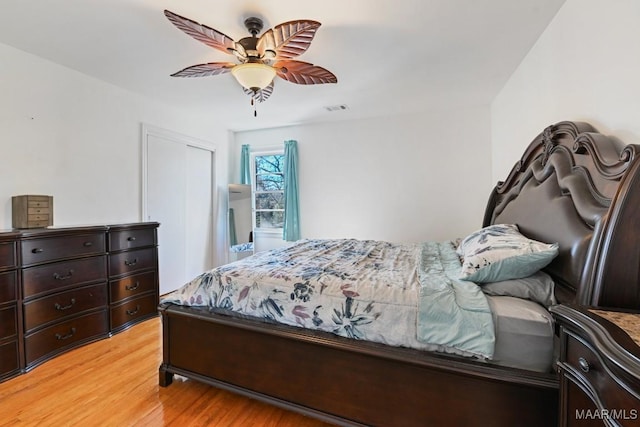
x: 349, y: 382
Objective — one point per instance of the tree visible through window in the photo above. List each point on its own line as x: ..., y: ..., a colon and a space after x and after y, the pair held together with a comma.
x: 269, y: 190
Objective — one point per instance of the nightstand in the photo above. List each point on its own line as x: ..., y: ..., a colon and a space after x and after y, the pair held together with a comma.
x: 599, y: 366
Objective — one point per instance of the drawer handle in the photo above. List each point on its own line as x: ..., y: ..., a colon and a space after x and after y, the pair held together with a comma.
x: 87, y: 244
x: 37, y: 250
x: 584, y: 365
x: 130, y: 263
x: 131, y: 239
x: 61, y: 277
x: 132, y: 287
x: 132, y: 312
x: 71, y: 333
x: 65, y: 307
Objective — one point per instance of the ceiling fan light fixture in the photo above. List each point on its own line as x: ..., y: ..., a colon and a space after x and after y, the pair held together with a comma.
x: 253, y: 75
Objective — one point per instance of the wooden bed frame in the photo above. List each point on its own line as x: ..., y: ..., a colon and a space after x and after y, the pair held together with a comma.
x: 573, y: 186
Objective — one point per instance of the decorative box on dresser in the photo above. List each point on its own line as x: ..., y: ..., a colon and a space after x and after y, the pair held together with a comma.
x: 599, y: 366
x: 133, y: 273
x: 64, y: 290
x: 10, y: 332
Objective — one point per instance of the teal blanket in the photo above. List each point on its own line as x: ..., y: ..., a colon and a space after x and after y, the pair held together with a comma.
x: 451, y: 311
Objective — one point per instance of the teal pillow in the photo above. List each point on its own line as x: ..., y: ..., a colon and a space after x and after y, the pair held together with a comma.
x: 499, y: 252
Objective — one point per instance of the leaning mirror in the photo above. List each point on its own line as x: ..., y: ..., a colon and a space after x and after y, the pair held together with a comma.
x: 240, y: 222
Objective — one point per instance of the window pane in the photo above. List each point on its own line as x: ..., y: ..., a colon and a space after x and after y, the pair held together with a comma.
x: 270, y: 219
x: 270, y: 164
x: 270, y: 201
x: 270, y: 182
x: 269, y: 190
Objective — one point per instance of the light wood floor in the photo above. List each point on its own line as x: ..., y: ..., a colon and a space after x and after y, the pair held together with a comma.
x: 114, y: 382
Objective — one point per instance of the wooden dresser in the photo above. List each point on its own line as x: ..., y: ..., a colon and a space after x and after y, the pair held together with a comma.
x: 133, y: 274
x: 65, y: 287
x: 64, y: 290
x: 599, y: 367
x: 10, y: 342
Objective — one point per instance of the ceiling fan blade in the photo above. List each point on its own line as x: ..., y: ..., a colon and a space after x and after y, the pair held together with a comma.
x: 289, y: 39
x: 261, y: 95
x: 202, y: 33
x: 303, y: 73
x: 205, y: 70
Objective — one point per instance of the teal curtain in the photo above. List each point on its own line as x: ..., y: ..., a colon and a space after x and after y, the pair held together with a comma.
x: 233, y: 238
x: 245, y: 169
x: 291, y: 229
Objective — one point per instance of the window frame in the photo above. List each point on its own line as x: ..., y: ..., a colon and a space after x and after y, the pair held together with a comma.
x: 254, y: 192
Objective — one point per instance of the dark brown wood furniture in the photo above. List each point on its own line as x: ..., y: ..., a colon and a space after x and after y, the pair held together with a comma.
x: 64, y: 290
x: 133, y: 274
x: 65, y: 287
x: 573, y: 186
x: 10, y: 310
x: 599, y: 366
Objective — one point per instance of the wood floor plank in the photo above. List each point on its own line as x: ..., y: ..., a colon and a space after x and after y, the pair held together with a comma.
x: 114, y: 382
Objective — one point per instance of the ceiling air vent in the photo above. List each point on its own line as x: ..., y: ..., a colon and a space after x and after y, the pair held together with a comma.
x: 340, y: 107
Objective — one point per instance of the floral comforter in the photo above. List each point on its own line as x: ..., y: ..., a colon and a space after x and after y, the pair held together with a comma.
x: 397, y: 294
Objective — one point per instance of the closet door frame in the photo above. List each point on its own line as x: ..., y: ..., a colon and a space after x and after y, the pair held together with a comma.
x: 147, y: 131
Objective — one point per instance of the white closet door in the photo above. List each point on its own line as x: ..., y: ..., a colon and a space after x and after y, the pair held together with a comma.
x: 166, y: 184
x: 179, y: 195
x: 199, y: 211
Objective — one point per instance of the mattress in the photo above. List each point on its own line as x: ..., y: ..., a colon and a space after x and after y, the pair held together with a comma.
x: 405, y: 295
x: 393, y: 294
x: 524, y: 334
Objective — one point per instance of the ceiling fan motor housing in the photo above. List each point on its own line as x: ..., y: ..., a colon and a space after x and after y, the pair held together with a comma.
x: 254, y: 25
x: 250, y: 46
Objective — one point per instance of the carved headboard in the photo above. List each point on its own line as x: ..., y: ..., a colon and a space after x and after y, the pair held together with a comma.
x: 581, y: 189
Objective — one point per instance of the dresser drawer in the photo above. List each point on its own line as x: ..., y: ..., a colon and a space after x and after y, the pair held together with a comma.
x: 8, y: 286
x: 65, y: 335
x: 55, y: 307
x: 9, y: 362
x: 131, y: 286
x: 586, y: 368
x: 8, y: 322
x: 36, y: 224
x: 133, y: 310
x: 38, y: 202
x: 47, y: 249
x: 38, y: 217
x: 130, y: 239
x: 132, y: 261
x: 50, y: 278
x: 8, y: 252
x: 38, y: 210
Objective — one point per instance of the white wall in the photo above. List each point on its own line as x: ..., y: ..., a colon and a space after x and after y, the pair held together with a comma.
x: 584, y: 67
x: 410, y: 178
x: 400, y: 179
x: 78, y: 139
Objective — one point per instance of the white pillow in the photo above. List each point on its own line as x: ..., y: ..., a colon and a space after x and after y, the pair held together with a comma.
x: 499, y: 252
x: 538, y: 287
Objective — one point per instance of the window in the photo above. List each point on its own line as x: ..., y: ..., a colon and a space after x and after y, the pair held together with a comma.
x: 268, y: 179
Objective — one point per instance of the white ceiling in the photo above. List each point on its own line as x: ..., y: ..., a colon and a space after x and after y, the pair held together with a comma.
x: 390, y: 56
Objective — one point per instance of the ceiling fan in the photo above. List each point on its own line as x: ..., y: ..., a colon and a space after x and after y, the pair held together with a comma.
x: 260, y: 59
